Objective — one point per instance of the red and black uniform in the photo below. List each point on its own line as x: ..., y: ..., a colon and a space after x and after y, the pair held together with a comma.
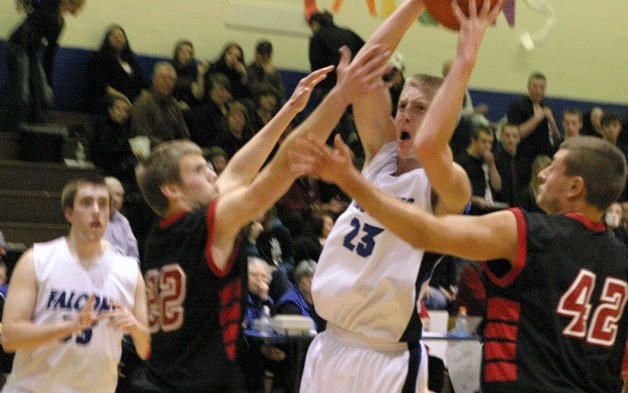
x: 555, y: 318
x: 194, y: 308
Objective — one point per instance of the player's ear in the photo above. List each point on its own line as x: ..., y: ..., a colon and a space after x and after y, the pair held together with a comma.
x: 170, y: 190
x: 576, y: 187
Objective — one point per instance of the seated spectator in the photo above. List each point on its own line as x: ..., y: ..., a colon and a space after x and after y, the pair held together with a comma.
x: 255, y: 359
x: 209, y: 120
x: 479, y: 163
x: 611, y: 127
x: 512, y: 168
x: 156, y: 113
x: 231, y: 64
x: 301, y: 197
x: 110, y: 149
x: 527, y: 199
x: 614, y: 218
x: 218, y: 158
x: 190, y: 86
x: 440, y: 294
x: 298, y: 300
x: 262, y: 71
x: 275, y: 245
x: 266, y: 105
x: 309, y: 244
x: 118, y: 231
x: 572, y: 122
x: 591, y: 124
x: 239, y: 130
x: 113, y: 71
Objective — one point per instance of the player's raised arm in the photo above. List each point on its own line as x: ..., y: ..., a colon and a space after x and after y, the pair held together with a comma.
x: 372, y: 112
x: 249, y: 159
x: 431, y: 142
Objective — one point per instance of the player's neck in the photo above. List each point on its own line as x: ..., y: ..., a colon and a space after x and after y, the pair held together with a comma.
x: 406, y: 165
x: 86, y: 251
x: 591, y: 213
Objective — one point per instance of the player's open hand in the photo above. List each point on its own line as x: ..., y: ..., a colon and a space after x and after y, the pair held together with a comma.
x: 302, y: 92
x: 363, y: 74
x: 312, y: 156
x: 473, y: 27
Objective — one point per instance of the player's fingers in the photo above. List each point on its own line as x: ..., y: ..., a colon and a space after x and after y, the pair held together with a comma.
x: 486, y: 6
x: 458, y: 12
x: 495, y: 11
x: 473, y: 10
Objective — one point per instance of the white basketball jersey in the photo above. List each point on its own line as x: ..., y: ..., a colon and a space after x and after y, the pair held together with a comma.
x: 365, y: 281
x: 84, y: 362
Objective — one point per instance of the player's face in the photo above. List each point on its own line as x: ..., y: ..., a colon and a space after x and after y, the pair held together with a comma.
x: 554, y: 185
x: 90, y: 213
x: 198, y: 181
x: 411, y: 110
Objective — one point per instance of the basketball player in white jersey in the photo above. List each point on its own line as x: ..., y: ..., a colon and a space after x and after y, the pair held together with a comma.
x: 369, y: 281
x: 71, y: 300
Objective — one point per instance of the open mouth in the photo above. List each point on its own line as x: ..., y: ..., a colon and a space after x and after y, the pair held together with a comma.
x: 95, y: 225
x: 404, y: 136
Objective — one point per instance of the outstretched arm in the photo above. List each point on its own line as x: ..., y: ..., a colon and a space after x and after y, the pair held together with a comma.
x: 372, y: 111
x: 431, y: 142
x: 249, y: 159
x: 493, y: 236
x: 236, y: 208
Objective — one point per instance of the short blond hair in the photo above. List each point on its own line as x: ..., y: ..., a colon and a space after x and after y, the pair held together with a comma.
x: 162, y: 167
x: 428, y: 83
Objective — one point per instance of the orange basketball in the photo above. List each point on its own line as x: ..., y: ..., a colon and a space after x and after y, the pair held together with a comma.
x: 442, y: 11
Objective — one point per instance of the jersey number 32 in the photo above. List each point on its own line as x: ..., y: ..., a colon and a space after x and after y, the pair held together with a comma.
x: 165, y: 293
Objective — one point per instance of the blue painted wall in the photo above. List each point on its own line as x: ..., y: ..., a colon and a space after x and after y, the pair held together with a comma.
x: 70, y: 76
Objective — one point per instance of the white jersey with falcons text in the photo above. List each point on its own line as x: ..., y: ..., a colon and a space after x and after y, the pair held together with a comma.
x: 85, y: 362
x: 366, y: 277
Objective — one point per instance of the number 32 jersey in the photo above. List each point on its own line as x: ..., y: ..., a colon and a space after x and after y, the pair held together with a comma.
x: 367, y: 279
x: 555, y: 318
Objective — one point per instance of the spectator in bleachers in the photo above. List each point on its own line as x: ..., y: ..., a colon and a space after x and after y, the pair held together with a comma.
x: 30, y: 79
x: 614, y: 218
x: 190, y: 86
x: 218, y: 158
x: 527, y: 199
x: 266, y: 102
x: 110, y: 149
x: 592, y: 125
x: 572, y: 122
x: 262, y: 71
x: 511, y: 166
x: 155, y: 112
x: 239, y: 130
x: 209, y: 120
x: 113, y: 70
x: 611, y: 127
x: 118, y: 231
x: 298, y: 300
x: 327, y: 38
x: 537, y: 127
x: 231, y: 64
x: 479, y: 163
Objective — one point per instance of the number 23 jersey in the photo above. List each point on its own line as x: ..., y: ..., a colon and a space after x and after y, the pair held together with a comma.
x: 366, y: 279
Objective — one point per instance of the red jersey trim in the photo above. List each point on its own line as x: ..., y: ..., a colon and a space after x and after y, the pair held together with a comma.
x: 166, y: 222
x: 594, y: 226
x: 500, y: 372
x: 210, y: 219
x: 522, y: 253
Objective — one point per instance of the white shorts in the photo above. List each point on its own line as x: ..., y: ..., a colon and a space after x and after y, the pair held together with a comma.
x: 339, y: 361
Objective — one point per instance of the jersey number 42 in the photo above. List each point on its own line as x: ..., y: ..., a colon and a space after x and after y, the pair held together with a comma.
x: 601, y: 327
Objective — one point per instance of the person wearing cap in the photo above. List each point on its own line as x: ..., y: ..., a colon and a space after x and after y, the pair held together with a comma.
x: 262, y: 70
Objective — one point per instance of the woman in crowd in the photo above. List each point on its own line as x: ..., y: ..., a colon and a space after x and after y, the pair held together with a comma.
x: 231, y: 64
x: 190, y: 86
x: 113, y: 71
